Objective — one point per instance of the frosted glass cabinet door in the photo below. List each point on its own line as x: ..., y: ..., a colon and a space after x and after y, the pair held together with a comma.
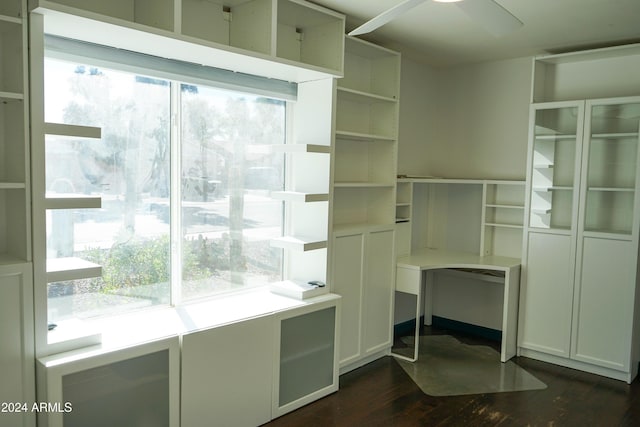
x: 612, y: 160
x: 556, y: 141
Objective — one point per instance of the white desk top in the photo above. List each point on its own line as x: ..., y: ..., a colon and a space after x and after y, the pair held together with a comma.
x: 431, y: 259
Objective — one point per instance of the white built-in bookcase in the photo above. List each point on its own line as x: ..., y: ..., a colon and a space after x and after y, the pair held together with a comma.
x: 286, y: 32
x: 579, y: 294
x: 363, y: 220
x: 16, y: 285
x: 14, y: 133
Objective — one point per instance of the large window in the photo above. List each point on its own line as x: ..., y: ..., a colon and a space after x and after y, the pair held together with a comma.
x: 184, y: 172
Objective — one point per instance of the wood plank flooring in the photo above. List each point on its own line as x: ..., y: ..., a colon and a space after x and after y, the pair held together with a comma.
x: 381, y: 394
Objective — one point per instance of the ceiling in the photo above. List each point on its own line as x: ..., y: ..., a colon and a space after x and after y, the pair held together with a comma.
x: 440, y: 34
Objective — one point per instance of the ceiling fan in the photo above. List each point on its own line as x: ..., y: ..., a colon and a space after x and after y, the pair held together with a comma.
x: 487, y: 13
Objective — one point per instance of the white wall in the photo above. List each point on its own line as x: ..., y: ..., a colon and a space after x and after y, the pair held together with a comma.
x: 418, y: 116
x: 465, y: 122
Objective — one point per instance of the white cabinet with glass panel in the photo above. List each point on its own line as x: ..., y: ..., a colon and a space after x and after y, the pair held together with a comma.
x: 286, y: 32
x: 579, y: 293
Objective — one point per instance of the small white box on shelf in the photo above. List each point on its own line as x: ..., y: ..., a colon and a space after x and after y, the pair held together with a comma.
x: 298, y: 289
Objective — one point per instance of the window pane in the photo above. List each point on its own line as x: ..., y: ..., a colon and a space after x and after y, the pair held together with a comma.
x: 128, y: 168
x: 228, y: 172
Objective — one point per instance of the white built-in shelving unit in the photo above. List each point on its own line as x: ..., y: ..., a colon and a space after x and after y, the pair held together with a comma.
x: 291, y: 40
x: 16, y: 285
x: 301, y: 41
x: 482, y: 216
x: 364, y: 199
x: 579, y: 295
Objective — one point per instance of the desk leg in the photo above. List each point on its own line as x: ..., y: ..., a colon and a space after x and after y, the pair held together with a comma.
x: 428, y: 297
x: 410, y: 281
x: 510, y: 314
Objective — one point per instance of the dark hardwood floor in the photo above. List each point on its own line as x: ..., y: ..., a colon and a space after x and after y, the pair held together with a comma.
x: 381, y: 394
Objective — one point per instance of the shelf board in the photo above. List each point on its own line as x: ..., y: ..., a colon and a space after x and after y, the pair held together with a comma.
x: 500, y: 225
x: 12, y: 185
x: 403, y: 205
x: 8, y: 259
x: 555, y: 137
x: 502, y: 206
x: 620, y: 135
x: 543, y: 166
x: 358, y: 136
x: 553, y: 188
x: 613, y: 189
x: 71, y: 268
x: 72, y: 201
x: 360, y: 227
x: 11, y: 96
x: 299, y: 243
x: 10, y: 19
x: 401, y: 220
x: 301, y: 148
x: 297, y: 196
x: 363, y: 97
x: 541, y: 211
x: 359, y: 184
x: 72, y: 131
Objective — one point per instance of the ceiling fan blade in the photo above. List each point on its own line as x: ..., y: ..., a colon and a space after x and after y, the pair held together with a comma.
x: 491, y: 16
x: 385, y: 17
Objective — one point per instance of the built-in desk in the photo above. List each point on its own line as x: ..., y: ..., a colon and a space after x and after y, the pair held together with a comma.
x: 413, y: 268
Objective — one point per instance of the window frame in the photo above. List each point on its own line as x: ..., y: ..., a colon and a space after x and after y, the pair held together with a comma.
x: 44, y: 345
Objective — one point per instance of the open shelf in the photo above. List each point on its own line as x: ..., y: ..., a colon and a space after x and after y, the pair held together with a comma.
x: 297, y: 196
x: 72, y: 131
x: 226, y: 23
x: 72, y: 201
x: 301, y: 148
x: 157, y: 14
x: 11, y: 9
x: 309, y: 34
x: 71, y: 268
x: 371, y: 69
x: 587, y: 74
x: 299, y: 243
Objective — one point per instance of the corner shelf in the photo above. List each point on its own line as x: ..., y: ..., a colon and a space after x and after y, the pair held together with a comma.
x: 72, y: 201
x: 299, y: 243
x: 71, y: 268
x: 72, y: 131
x: 301, y: 197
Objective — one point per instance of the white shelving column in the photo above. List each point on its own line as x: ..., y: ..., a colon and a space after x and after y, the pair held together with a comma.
x: 579, y: 295
x: 364, y: 200
x: 16, y: 285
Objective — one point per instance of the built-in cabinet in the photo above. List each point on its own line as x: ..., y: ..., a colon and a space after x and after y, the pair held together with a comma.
x: 245, y: 32
x: 579, y: 301
x: 241, y: 372
x: 17, y: 386
x: 364, y: 199
x: 363, y: 272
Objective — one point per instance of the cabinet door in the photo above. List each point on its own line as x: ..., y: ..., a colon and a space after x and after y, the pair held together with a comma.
x: 17, y: 375
x: 610, y: 166
x: 604, y: 303
x: 555, y: 156
x: 547, y: 294
x: 378, y: 291
x: 348, y: 253
x: 227, y: 375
